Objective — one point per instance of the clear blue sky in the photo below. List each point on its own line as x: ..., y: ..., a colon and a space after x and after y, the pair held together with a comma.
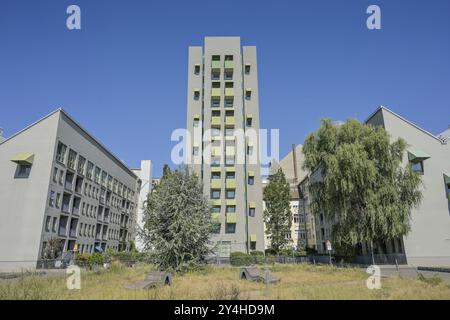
x: 124, y: 75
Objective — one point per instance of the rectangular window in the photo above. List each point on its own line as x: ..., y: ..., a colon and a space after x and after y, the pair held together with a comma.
x: 196, y: 94
x: 231, y: 175
x: 81, y: 164
x: 251, y: 180
x: 55, y: 174
x: 231, y: 209
x: 250, y: 150
x: 54, y: 224
x: 215, y: 102
x: 228, y: 58
x: 229, y: 74
x: 247, y: 69
x: 230, y: 193
x: 68, y: 184
x: 215, y: 209
x: 215, y: 175
x: 195, y: 151
x: 248, y: 94
x: 215, y: 85
x: 251, y: 212
x: 196, y: 123
x: 230, y: 228
x: 229, y: 161
x: 197, y: 69
x: 249, y: 122
x: 48, y: 223
x: 417, y: 167
x: 216, y: 228
x: 229, y: 102
x: 58, y: 200
x: 61, y: 152
x: 72, y: 159
x: 23, y: 171
x: 97, y: 175
x: 51, y: 201
x: 215, y: 74
x: 215, y: 194
x: 90, y: 170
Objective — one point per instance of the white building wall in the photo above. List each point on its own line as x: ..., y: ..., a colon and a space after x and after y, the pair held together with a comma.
x: 145, y: 174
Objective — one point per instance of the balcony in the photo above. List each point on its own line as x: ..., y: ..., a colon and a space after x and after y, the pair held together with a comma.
x: 229, y: 64
x: 229, y: 93
x: 231, y: 183
x: 215, y: 64
x: 231, y: 217
x: 230, y: 151
x: 229, y: 121
x: 215, y: 92
x: 215, y: 121
x: 216, y: 183
x: 215, y: 151
x: 215, y: 217
x: 231, y: 202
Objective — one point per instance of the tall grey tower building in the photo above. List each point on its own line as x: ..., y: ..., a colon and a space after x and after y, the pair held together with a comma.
x: 223, y: 108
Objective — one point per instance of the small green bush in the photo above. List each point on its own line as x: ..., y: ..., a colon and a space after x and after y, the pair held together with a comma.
x: 96, y: 259
x: 82, y: 259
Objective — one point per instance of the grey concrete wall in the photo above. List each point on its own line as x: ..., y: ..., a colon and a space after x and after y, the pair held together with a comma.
x: 428, y: 243
x: 23, y: 201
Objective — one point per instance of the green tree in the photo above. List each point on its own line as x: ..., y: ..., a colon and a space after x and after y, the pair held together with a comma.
x: 277, y: 215
x: 177, y: 221
x: 359, y: 183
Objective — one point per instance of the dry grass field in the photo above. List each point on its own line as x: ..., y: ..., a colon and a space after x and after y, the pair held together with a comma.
x: 297, y: 282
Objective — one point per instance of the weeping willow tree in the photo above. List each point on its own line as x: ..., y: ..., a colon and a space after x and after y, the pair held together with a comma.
x: 177, y: 221
x: 359, y: 183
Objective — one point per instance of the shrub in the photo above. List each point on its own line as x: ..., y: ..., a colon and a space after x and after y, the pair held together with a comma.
x: 241, y: 259
x: 82, y: 259
x: 96, y: 259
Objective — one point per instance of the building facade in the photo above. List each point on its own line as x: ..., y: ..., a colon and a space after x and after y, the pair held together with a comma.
x: 428, y: 242
x: 59, y: 182
x: 222, y: 118
x: 302, y: 233
x: 145, y: 175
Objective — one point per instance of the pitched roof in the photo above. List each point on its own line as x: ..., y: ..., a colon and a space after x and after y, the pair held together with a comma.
x: 70, y: 118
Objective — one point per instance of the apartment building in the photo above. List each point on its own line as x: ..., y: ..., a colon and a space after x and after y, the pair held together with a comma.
x: 59, y: 182
x: 222, y: 119
x: 428, y: 242
x: 145, y: 174
x: 302, y: 228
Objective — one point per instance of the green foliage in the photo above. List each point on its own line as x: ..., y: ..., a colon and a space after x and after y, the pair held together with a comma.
x: 82, y: 259
x: 96, y: 259
x: 277, y: 215
x: 177, y: 221
x: 244, y: 259
x: 52, y: 249
x: 359, y: 183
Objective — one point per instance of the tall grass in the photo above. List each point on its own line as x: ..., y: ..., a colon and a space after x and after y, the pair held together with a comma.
x: 297, y: 282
